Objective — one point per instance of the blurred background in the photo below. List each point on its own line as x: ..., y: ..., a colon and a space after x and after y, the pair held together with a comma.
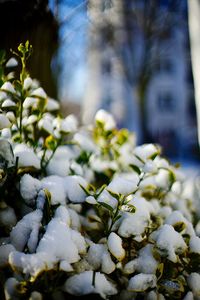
x: 130, y: 57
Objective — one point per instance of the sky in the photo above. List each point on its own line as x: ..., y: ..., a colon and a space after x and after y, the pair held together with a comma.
x: 72, y: 17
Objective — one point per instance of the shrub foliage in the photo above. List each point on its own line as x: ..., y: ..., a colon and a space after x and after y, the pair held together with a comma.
x: 85, y: 211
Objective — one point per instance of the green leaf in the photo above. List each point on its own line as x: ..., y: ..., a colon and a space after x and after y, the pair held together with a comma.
x: 132, y: 208
x: 179, y: 226
x: 136, y: 169
x: 159, y: 271
x: 101, y: 190
x: 107, y: 206
x: 139, y: 158
x: 85, y: 190
x: 153, y: 156
x: 114, y: 195
x: 117, y: 218
x: 172, y: 177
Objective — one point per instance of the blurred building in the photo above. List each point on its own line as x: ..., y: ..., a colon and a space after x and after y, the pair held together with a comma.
x: 171, y: 115
x: 140, y: 70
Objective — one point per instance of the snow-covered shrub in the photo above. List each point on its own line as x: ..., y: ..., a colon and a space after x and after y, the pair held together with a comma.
x: 83, y: 210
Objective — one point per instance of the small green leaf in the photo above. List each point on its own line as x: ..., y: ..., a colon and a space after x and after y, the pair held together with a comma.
x: 107, y: 206
x: 136, y: 169
x: 179, y: 226
x: 153, y: 156
x: 159, y: 271
x: 114, y: 195
x: 140, y: 159
x: 85, y: 190
x: 172, y: 177
x: 101, y: 190
x: 132, y: 208
x: 117, y: 218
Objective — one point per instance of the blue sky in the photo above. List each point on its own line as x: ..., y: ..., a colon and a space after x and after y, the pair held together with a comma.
x: 71, y: 57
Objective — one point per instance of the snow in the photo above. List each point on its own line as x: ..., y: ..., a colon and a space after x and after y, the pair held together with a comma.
x: 6, y: 133
x: 60, y: 162
x: 69, y: 124
x: 59, y: 244
x: 7, y: 217
x: 122, y: 185
x: 7, y: 86
x: 194, y: 283
x: 58, y: 241
x: 65, y: 266
x: 75, y: 219
x: 12, y: 62
x: 79, y: 241
x: 194, y: 244
x: 107, y: 265
x: 35, y: 296
x: 81, y: 284
x: 100, y: 164
x: 10, y: 288
x: 32, y: 119
x: 105, y: 197
x: 29, y: 188
x: 144, y: 263
x: 169, y: 242
x: 26, y: 231
x: 188, y: 296
x: 75, y: 193
x: 141, y: 282
x: 8, y: 103
x: 62, y: 214
x: 177, y: 218
x: 52, y: 105
x: 26, y: 157
x: 135, y: 224
x: 29, y: 102
x: 39, y: 92
x: 144, y: 152
x: 84, y: 141
x: 10, y: 115
x: 5, y: 250
x: 27, y: 83
x: 55, y: 185
x: 46, y: 125
x: 4, y: 121
x: 6, y: 152
x: 31, y: 264
x: 106, y: 119
x: 94, y: 255
x: 115, y: 246
x: 64, y: 188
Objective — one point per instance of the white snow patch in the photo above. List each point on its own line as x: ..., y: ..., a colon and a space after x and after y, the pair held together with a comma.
x: 106, y: 119
x: 122, y: 185
x: 26, y: 156
x: 194, y: 283
x: 141, y: 282
x: 4, y: 121
x: 26, y: 231
x: 194, y: 244
x: 29, y: 188
x: 169, y: 242
x: 115, y: 246
x: 5, y: 250
x: 82, y: 284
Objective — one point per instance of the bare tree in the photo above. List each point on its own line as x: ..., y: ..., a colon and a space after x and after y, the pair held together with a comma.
x: 117, y: 30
